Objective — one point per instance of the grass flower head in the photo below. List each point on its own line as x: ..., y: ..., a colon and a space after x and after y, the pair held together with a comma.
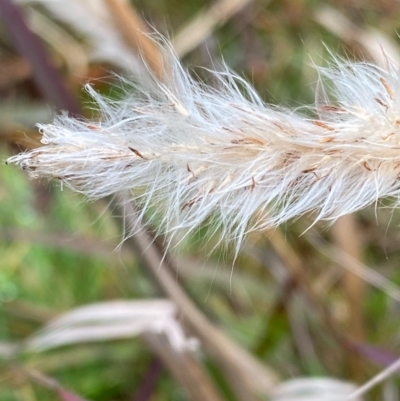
x: 195, y: 153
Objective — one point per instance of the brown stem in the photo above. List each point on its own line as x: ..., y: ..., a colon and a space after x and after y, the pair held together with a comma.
x: 135, y: 31
x: 247, y: 375
x: 347, y: 238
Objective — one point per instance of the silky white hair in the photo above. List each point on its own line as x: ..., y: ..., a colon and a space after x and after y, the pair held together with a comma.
x: 192, y: 154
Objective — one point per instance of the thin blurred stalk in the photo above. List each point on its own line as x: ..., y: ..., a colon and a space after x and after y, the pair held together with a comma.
x: 184, y: 367
x: 277, y: 317
x: 52, y: 384
x: 299, y: 275
x: 62, y: 42
x: 295, y: 297
x: 248, y: 376
x: 47, y: 78
x: 369, y: 43
x: 204, y: 23
x: 135, y: 33
x: 347, y: 237
x: 366, y: 273
x: 149, y: 382
x: 379, y: 378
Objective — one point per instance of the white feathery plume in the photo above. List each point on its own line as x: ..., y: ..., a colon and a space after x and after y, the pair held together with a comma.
x: 192, y: 154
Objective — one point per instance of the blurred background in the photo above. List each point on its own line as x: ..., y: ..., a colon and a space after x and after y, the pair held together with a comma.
x: 82, y: 318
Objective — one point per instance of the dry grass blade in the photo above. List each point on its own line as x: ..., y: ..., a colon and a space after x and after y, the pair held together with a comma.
x: 144, y: 311
x: 314, y: 389
x: 135, y: 31
x: 379, y: 378
x: 111, y: 320
x: 202, y: 26
x: 154, y: 320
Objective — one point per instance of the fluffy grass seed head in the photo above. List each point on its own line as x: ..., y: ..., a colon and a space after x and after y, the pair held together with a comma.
x: 197, y: 154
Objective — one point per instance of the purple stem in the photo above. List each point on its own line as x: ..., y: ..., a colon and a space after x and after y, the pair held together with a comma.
x: 47, y: 78
x: 147, y: 387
